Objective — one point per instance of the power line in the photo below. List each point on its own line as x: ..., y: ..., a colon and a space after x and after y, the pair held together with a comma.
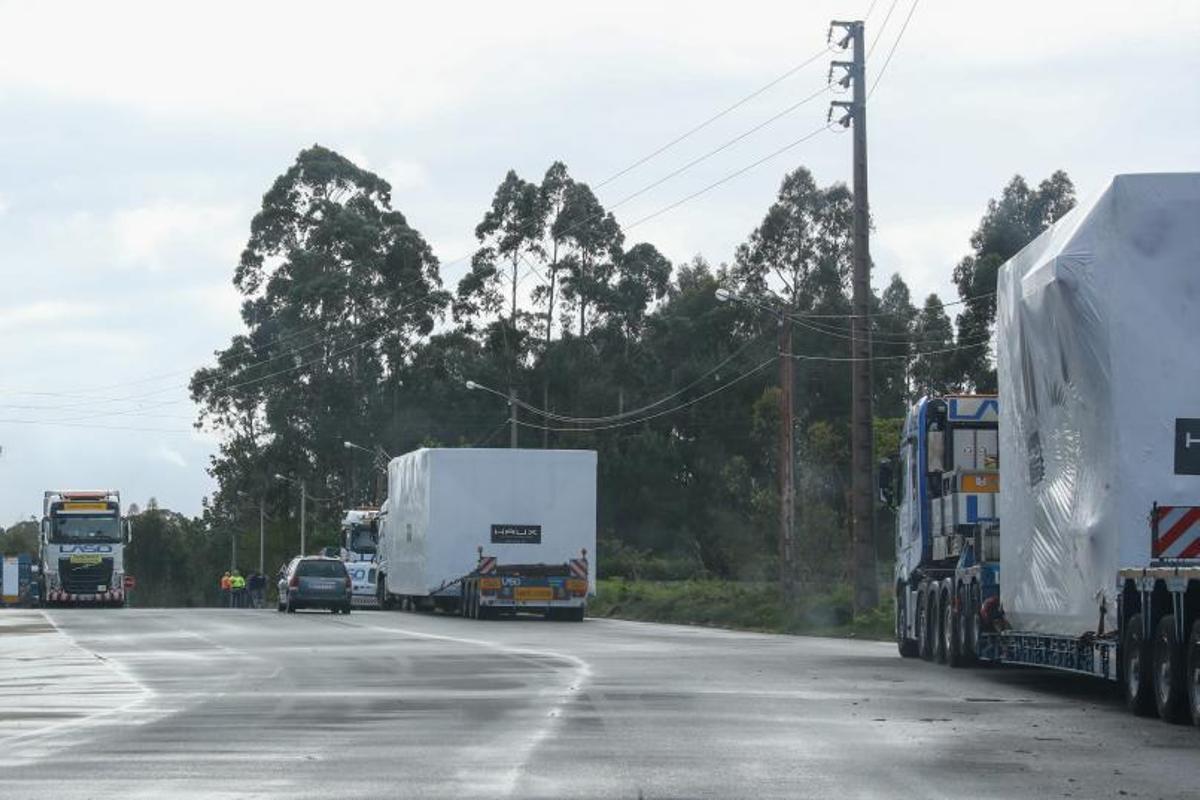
x: 721, y: 147
x: 774, y: 82
x: 892, y: 52
x: 727, y: 178
x: 632, y: 412
x: 840, y: 359
x: 693, y: 401
x: 882, y: 27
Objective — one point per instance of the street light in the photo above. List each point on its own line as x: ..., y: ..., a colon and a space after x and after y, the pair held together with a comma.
x: 787, y: 445
x: 381, y: 456
x: 512, y: 406
x: 303, y: 504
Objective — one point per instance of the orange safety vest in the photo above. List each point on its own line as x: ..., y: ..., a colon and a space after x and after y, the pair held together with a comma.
x: 226, y: 582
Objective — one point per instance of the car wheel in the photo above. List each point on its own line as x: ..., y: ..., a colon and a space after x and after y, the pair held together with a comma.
x: 966, y: 618
x: 1193, y: 672
x: 1168, y: 671
x: 1139, y: 694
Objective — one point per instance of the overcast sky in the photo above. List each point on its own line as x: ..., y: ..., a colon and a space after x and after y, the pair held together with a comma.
x: 136, y: 141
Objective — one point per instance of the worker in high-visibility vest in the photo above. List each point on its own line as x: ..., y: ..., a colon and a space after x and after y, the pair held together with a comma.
x: 227, y: 590
x: 238, y: 584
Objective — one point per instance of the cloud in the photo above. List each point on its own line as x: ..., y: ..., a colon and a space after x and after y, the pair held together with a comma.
x: 4, y: 204
x: 44, y: 312
x: 402, y: 174
x: 169, y: 455
x: 150, y: 236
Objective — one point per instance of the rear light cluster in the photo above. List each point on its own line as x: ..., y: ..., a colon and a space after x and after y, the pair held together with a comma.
x: 294, y: 582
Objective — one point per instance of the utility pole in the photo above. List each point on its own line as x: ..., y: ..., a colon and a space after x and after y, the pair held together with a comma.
x: 303, y: 505
x: 512, y: 410
x: 862, y: 498
x: 262, y: 515
x: 787, y: 461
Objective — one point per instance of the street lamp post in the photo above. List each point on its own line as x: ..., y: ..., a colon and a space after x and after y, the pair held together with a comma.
x: 381, y: 462
x: 303, y: 505
x: 787, y: 449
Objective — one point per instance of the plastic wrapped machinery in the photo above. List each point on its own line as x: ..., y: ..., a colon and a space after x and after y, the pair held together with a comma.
x: 1098, y: 352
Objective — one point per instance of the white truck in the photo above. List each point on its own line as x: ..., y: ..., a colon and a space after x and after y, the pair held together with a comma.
x: 1058, y: 524
x: 82, y: 548
x: 482, y: 532
x: 360, y: 546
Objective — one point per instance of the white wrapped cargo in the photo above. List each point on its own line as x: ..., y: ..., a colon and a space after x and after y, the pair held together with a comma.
x: 520, y: 506
x: 1098, y: 352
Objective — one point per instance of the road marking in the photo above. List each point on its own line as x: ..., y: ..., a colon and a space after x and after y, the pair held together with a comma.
x: 507, y: 782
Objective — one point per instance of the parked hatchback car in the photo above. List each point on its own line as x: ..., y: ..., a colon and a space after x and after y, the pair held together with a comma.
x: 315, y: 582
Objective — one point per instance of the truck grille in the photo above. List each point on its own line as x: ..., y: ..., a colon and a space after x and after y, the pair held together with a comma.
x: 85, y: 578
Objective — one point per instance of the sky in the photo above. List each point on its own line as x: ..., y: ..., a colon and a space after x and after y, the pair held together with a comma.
x: 137, y: 139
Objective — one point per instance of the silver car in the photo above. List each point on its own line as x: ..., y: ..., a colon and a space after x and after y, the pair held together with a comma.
x: 315, y: 582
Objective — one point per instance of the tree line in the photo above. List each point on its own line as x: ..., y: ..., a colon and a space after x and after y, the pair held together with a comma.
x: 352, y: 335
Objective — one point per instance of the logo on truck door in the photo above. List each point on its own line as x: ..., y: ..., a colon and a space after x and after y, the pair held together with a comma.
x: 516, y: 534
x: 1187, y: 446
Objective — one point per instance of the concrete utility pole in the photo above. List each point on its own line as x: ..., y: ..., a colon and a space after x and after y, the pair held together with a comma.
x: 512, y: 410
x: 262, y: 515
x: 787, y: 462
x: 862, y: 496
x: 303, y: 510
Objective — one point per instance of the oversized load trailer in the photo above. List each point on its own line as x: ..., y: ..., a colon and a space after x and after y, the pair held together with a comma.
x: 1091, y: 561
x: 488, y: 531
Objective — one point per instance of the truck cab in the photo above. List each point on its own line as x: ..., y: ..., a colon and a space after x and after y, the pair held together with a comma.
x: 82, y: 548
x: 944, y: 484
x: 360, y: 551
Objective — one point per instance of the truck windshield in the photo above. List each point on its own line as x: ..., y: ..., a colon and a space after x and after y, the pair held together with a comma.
x: 362, y: 539
x: 78, y: 528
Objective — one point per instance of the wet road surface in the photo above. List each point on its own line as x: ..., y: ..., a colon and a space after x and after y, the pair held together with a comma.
x: 206, y: 703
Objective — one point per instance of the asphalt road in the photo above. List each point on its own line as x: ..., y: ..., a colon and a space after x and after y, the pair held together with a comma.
x: 213, y: 703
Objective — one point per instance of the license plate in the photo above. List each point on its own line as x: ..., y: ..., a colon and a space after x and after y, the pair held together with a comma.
x: 533, y: 593
x: 87, y: 560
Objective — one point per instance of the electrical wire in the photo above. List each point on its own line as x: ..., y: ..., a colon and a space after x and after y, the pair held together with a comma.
x: 882, y: 28
x: 727, y: 178
x: 719, y: 148
x: 752, y: 371
x: 690, y: 132
x: 892, y: 52
x: 842, y: 359
x: 632, y: 412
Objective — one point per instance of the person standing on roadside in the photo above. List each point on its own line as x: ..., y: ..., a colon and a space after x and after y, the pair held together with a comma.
x: 256, y: 584
x: 227, y: 590
x: 238, y: 584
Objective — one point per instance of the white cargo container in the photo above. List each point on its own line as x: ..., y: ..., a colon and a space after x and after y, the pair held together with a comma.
x: 480, y: 530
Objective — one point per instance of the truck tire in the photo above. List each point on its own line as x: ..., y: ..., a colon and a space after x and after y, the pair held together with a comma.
x: 937, y: 640
x: 924, y: 626
x: 909, y: 648
x: 950, y: 640
x: 1139, y: 689
x: 1193, y: 672
x: 966, y: 622
x: 1169, y: 672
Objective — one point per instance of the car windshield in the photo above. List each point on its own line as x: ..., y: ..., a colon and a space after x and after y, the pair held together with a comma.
x: 321, y: 569
x: 80, y: 528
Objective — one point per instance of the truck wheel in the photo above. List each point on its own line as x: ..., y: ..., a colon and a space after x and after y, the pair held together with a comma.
x: 936, y: 639
x: 1168, y: 671
x: 950, y: 642
x: 1193, y: 672
x: 924, y: 628
x: 1139, y: 694
x: 966, y: 638
x: 908, y: 648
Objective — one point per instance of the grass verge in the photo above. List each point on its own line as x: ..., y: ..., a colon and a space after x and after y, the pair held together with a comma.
x: 743, y: 606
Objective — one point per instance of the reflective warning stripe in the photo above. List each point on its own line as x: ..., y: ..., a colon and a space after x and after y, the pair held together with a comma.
x: 579, y: 568
x: 487, y: 564
x: 1177, y: 532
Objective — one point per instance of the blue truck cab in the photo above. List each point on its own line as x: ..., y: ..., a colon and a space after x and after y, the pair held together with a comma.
x: 944, y: 485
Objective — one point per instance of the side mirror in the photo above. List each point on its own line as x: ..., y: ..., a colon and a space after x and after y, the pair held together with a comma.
x: 887, y: 483
x: 127, y: 524
x: 935, y: 446
x: 45, y: 529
